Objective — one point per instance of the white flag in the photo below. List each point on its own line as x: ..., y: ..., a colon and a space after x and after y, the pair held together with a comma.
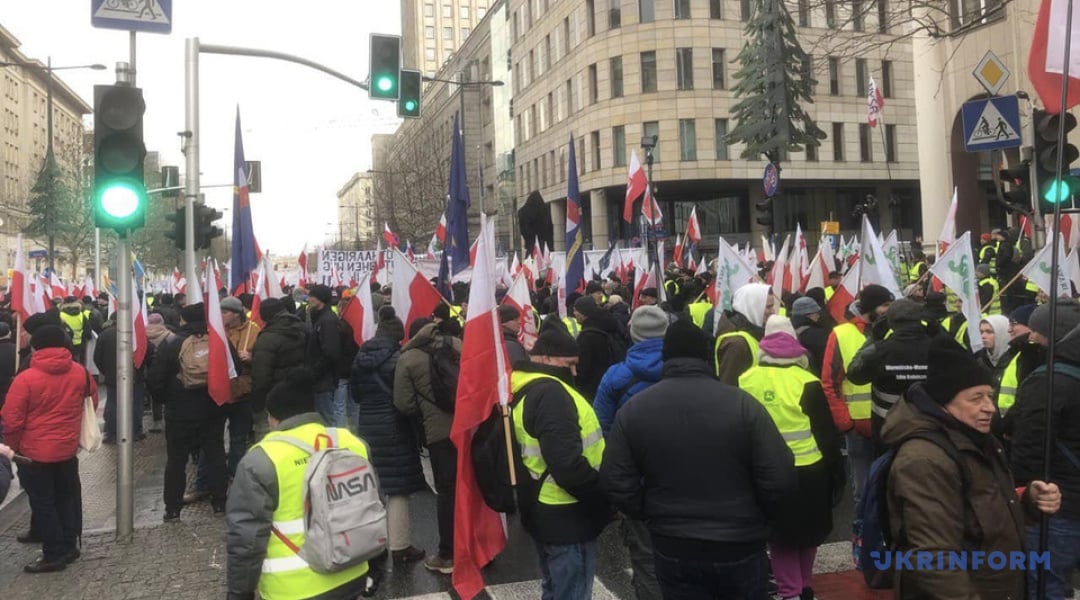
x: 1038, y: 270
x: 891, y: 246
x: 956, y: 269
x: 732, y: 272
x: 875, y: 264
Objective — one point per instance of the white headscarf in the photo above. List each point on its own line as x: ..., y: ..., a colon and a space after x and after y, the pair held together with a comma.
x: 1000, y: 324
x: 750, y: 301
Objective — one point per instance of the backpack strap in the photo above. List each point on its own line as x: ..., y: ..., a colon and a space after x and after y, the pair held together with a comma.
x: 1066, y: 369
x: 941, y: 440
x: 331, y: 437
x: 1069, y: 454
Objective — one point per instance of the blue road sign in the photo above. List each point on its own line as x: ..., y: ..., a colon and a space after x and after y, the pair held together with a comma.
x: 151, y: 16
x: 992, y: 123
x: 38, y: 253
x: 771, y: 180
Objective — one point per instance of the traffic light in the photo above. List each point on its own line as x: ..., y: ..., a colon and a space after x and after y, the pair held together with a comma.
x: 119, y: 190
x: 765, y: 207
x: 385, y: 70
x: 1018, y: 178
x: 1047, y: 149
x: 204, y: 226
x: 177, y: 233
x: 408, y: 106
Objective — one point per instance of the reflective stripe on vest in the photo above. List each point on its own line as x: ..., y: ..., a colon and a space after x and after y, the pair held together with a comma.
x: 75, y: 324
x: 780, y: 390
x: 995, y: 304
x: 572, y: 326
x: 857, y: 397
x: 284, y: 574
x: 990, y: 263
x: 698, y: 310
x: 1009, y: 383
x: 592, y: 437
x: 750, y: 341
x: 883, y: 403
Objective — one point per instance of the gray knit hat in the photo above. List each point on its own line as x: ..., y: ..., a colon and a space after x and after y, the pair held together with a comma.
x: 648, y: 322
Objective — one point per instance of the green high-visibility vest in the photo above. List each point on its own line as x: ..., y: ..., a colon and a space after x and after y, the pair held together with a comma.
x: 780, y: 390
x: 698, y: 310
x: 750, y: 341
x: 1009, y: 383
x: 857, y: 397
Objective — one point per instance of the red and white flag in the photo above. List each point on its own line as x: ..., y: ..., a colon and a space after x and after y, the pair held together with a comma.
x: 302, y: 261
x: 517, y: 295
x: 391, y: 238
x: 222, y: 370
x: 431, y: 249
x: 440, y: 230
x: 414, y: 297
x: 59, y: 290
x: 779, y: 277
x: 678, y: 258
x: 693, y: 228
x: 483, y: 385
x: 88, y: 287
x: 799, y: 263
x: 472, y: 253
x: 380, y: 261
x: 21, y: 294
x: 636, y: 184
x: 644, y: 281
x: 140, y: 343
x: 875, y: 263
x: 1046, y: 61
x: 875, y: 101
x: 818, y: 276
x: 844, y: 294
x: 359, y: 313
x: 653, y: 216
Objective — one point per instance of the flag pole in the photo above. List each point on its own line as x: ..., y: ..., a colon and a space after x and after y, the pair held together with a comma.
x: 509, y: 445
x: 18, y: 339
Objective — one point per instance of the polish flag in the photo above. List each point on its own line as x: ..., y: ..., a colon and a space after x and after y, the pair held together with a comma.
x: 43, y: 292
x: 693, y: 228
x: 1046, y: 62
x: 779, y: 277
x: 59, y: 290
x: 440, y: 230
x: 651, y: 209
x: 88, y: 287
x: 472, y: 253
x: 414, y: 297
x: 483, y: 386
x: 636, y: 184
x: 518, y: 297
x: 359, y: 313
x: 391, y: 238
x: 844, y: 294
x: 140, y: 343
x: 222, y: 370
x: 431, y: 249
x: 875, y: 101
x: 648, y: 281
x: 512, y: 271
x: 380, y: 261
x: 302, y: 261
x: 21, y: 295
x: 799, y: 263
x: 262, y: 292
x: 818, y: 275
x: 409, y: 251
x: 678, y: 251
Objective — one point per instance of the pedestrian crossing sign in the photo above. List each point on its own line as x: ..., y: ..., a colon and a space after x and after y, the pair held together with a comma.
x: 991, y: 123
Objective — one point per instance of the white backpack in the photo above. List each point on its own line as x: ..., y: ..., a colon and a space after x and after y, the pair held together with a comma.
x: 344, y: 518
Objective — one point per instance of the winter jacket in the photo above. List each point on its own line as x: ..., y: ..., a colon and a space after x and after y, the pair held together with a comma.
x: 833, y: 374
x: 324, y: 349
x: 412, y: 383
x: 814, y: 337
x: 929, y: 509
x: 388, y: 433
x: 42, y: 416
x: 599, y: 346
x: 278, y: 349
x: 621, y: 312
x: 181, y: 404
x: 157, y: 333
x: 242, y: 339
x: 1028, y: 417
x: 5, y: 478
x: 688, y: 445
x: 105, y: 356
x: 169, y: 314
x: 733, y: 355
x: 7, y: 367
x: 514, y: 350
x: 550, y: 415
x: 643, y: 367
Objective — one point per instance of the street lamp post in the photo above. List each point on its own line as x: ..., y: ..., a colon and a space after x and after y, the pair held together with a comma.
x: 49, y: 158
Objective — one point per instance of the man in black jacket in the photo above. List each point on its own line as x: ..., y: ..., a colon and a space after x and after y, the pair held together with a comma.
x: 510, y: 318
x: 193, y: 421
x: 652, y: 471
x: 562, y: 505
x: 105, y: 360
x: 324, y: 356
x: 599, y: 345
x: 278, y: 349
x: 7, y: 360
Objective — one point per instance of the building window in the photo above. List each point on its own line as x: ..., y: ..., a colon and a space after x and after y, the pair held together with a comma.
x: 546, y: 58
x: 648, y: 71
x: 811, y: 153
x: 447, y: 11
x: 890, y: 143
x: 882, y: 16
x: 566, y: 36
x: 543, y: 170
x: 594, y: 140
x: 532, y: 66
x: 551, y: 108
x: 448, y: 33
x: 594, y: 85
x: 838, y: 142
x: 429, y: 33
x: 682, y: 9
x: 429, y: 10
x: 716, y: 9
x: 646, y: 11
x: 465, y: 31
x: 866, y: 143
x: 618, y: 145
x: 684, y: 68
x: 886, y: 78
x: 616, y: 77
x: 590, y: 17
x: 830, y: 14
x: 515, y: 34
x: 808, y: 71
x: 652, y: 129
x: 429, y: 54
x: 718, y: 68
x: 720, y: 125
x: 858, y: 15
x: 528, y: 14
x: 744, y: 10
x: 569, y: 97
x: 581, y: 155
x: 834, y: 76
x: 804, y: 13
x: 687, y: 140
x: 615, y: 14
x: 860, y: 76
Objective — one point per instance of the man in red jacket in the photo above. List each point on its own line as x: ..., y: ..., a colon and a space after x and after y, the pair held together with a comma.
x: 42, y: 419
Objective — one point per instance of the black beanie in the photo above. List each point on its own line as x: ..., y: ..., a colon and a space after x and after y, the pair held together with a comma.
x: 48, y: 336
x: 294, y: 395
x: 555, y: 341
x: 321, y: 293
x: 952, y: 368
x: 34, y: 321
x: 685, y: 340
x: 193, y: 313
x: 269, y: 308
x: 873, y: 296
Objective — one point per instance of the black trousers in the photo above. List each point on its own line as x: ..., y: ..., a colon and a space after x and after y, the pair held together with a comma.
x: 181, y: 439
x: 55, y: 495
x: 444, y: 470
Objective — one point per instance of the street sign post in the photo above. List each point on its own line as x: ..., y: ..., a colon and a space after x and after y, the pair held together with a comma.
x: 150, y: 16
x: 770, y: 181
x: 991, y: 123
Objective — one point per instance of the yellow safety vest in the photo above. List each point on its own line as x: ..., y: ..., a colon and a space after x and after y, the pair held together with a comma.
x: 780, y: 390
x: 572, y: 326
x: 960, y: 334
x: 1009, y: 383
x: 673, y: 288
x: 75, y: 323
x: 984, y: 259
x: 592, y: 438
x: 698, y: 310
x: 829, y: 291
x: 284, y: 574
x: 750, y: 341
x: 913, y: 272
x: 857, y: 397
x: 995, y: 304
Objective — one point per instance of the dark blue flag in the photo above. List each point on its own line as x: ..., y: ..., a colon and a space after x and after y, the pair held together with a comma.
x: 245, y: 250
x: 457, y: 219
x: 575, y: 253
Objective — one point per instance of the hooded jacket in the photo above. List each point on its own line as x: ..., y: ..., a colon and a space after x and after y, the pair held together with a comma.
x: 600, y: 345
x: 278, y: 349
x: 324, y: 350
x: 929, y: 510
x: 997, y: 358
x: 42, y: 416
x: 814, y: 337
x: 733, y: 355
x: 413, y: 396
x: 644, y: 365
x: 181, y: 404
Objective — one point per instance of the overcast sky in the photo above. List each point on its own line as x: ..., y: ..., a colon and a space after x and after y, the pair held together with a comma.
x: 311, y: 131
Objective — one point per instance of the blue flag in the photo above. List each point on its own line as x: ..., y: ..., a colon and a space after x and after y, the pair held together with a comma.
x: 443, y: 282
x: 457, y: 219
x: 245, y: 250
x: 575, y: 255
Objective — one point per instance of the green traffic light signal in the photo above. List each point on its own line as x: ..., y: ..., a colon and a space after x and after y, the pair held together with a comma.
x: 119, y: 190
x: 410, y: 105
x: 121, y: 199
x: 385, y: 83
x: 1057, y: 191
x: 384, y: 66
x: 409, y: 102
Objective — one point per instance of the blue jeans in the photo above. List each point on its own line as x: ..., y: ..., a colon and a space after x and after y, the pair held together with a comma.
x: 110, y: 410
x: 1064, y: 547
x: 860, y: 453
x: 324, y: 404
x: 702, y: 579
x: 337, y: 408
x: 568, y: 570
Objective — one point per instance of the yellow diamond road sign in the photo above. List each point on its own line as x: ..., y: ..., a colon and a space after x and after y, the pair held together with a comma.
x: 991, y: 73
